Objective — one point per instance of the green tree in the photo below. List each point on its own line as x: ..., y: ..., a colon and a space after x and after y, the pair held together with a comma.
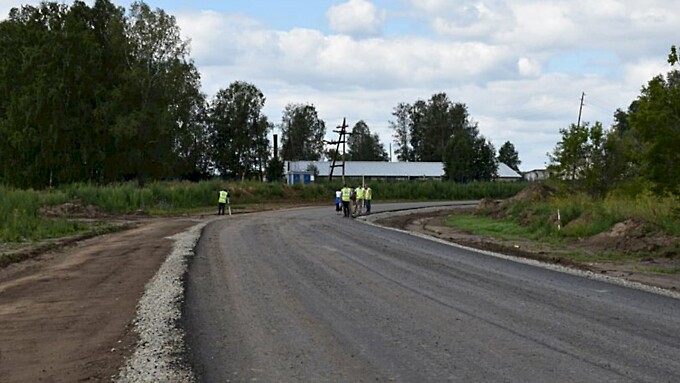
x: 621, y: 152
x: 31, y: 80
x: 160, y: 77
x: 509, y: 156
x: 469, y: 157
x: 657, y: 122
x: 192, y: 145
x: 423, y: 130
x: 418, y: 129
x: 594, y: 173
x: 589, y: 157
x: 59, y: 70
x: 569, y: 156
x: 239, y: 131
x: 441, y: 119
x: 302, y: 133
x: 402, y: 132
x: 485, y: 164
x: 364, y: 146
x: 274, y: 169
x: 93, y: 94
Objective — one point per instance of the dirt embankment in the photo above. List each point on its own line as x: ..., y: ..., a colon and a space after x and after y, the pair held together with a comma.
x: 660, y: 268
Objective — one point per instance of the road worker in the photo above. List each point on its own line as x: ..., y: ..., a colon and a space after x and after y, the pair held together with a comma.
x: 368, y: 196
x: 346, y: 192
x: 338, y: 201
x: 223, y: 199
x: 358, y: 209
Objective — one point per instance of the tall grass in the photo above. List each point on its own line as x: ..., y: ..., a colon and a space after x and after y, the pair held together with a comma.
x: 581, y: 216
x: 21, y: 220
x: 438, y: 190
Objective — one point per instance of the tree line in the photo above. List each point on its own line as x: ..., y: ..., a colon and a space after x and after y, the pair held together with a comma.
x: 103, y: 94
x: 441, y: 130
x: 641, y: 150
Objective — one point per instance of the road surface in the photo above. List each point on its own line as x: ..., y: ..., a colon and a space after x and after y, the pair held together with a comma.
x: 305, y: 295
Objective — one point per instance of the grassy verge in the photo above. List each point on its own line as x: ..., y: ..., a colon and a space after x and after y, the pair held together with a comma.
x: 481, y: 225
x: 9, y: 251
x: 566, y: 219
x: 24, y: 220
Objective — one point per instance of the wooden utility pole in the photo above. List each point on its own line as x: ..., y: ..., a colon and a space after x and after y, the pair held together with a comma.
x: 342, y: 131
x: 580, y: 109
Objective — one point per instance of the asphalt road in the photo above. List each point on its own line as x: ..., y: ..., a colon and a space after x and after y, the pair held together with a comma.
x: 308, y: 296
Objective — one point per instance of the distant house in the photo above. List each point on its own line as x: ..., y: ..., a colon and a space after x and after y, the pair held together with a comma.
x: 378, y: 170
x: 536, y: 175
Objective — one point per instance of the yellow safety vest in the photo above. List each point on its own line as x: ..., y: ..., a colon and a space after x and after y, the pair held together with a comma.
x: 369, y: 194
x: 346, y: 193
x: 360, y: 193
x: 223, y: 196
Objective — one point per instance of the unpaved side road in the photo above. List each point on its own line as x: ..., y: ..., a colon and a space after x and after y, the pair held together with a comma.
x: 308, y: 296
x: 65, y: 315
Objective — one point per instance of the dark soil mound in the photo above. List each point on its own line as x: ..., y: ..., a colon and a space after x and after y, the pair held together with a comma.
x: 74, y: 209
x: 634, y: 237
x: 532, y: 193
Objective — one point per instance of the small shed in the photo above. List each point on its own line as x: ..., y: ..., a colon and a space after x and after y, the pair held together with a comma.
x: 299, y: 177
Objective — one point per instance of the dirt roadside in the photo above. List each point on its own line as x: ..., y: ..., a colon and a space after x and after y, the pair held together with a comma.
x: 637, y: 270
x: 65, y: 315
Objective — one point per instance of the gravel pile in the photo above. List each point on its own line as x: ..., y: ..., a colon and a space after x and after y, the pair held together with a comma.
x: 159, y: 353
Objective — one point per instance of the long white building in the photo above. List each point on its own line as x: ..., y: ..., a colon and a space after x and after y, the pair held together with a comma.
x: 302, y: 171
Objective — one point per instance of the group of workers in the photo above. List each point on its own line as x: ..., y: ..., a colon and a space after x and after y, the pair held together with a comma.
x: 353, y: 201
x: 350, y: 201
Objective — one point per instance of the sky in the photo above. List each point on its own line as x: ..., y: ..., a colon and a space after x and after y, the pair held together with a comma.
x: 520, y: 66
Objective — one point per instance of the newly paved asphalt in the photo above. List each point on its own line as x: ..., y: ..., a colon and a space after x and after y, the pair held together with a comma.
x: 308, y: 296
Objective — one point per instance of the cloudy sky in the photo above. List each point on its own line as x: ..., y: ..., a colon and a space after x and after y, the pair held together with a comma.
x: 520, y: 66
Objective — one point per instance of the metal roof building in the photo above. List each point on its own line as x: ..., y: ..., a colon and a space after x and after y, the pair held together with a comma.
x: 385, y: 170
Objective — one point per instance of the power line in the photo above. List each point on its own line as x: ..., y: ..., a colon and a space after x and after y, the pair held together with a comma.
x: 580, y: 109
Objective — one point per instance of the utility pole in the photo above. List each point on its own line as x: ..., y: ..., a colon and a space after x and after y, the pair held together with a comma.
x: 580, y: 109
x: 342, y: 131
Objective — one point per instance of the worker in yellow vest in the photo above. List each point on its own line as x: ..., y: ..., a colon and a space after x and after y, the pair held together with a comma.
x: 222, y: 201
x: 368, y: 196
x: 359, y: 207
x: 346, y: 194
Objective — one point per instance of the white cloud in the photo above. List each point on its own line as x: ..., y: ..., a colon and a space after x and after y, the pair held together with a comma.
x: 335, y: 61
x: 638, y: 74
x: 356, y: 18
x: 540, y: 26
x: 468, y: 21
x: 528, y: 67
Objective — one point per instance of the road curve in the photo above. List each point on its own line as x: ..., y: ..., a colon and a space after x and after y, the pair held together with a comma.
x: 308, y: 296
